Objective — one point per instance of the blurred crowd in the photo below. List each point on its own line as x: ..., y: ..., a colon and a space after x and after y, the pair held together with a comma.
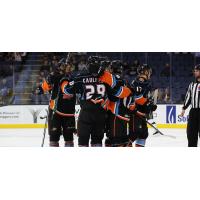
x: 10, y: 62
x: 51, y: 61
x: 12, y: 56
x: 163, y: 70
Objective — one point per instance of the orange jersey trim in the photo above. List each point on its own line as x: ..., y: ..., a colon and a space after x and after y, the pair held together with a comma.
x: 132, y: 107
x: 65, y: 83
x: 52, y: 104
x: 107, y: 78
x: 123, y: 118
x: 141, y: 100
x: 65, y: 115
x: 45, y: 86
x: 141, y: 114
x: 124, y: 93
x: 105, y: 104
x: 112, y: 106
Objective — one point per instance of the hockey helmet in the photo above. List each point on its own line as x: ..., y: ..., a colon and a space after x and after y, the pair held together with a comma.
x: 116, y: 67
x: 144, y: 70
x: 96, y: 65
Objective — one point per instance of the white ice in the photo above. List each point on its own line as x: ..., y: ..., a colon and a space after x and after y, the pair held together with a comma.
x: 33, y: 138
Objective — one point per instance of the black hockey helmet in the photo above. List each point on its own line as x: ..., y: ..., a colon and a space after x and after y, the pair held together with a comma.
x: 105, y: 64
x: 96, y: 65
x: 144, y: 70
x: 116, y: 67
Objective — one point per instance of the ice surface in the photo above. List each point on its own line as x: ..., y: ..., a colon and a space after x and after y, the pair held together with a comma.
x: 33, y: 138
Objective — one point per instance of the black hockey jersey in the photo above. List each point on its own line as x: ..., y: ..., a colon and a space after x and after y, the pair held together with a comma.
x: 59, y: 102
x: 121, y: 107
x: 142, y: 92
x: 94, y: 90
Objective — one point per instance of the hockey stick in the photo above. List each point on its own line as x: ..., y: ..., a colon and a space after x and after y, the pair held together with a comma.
x: 45, y: 128
x: 157, y: 130
x: 155, y: 99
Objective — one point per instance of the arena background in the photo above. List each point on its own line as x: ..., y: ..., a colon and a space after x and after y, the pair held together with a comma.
x: 21, y: 73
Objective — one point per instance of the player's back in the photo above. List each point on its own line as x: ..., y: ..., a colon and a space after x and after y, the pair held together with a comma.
x: 92, y: 91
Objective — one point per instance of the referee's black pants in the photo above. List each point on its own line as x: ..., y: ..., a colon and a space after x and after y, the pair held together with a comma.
x: 193, y: 127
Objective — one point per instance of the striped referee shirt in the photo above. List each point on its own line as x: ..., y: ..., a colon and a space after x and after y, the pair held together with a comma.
x: 192, y: 96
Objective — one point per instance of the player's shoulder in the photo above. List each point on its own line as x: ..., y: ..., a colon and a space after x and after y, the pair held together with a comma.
x: 65, y: 78
x: 116, y: 76
x: 79, y: 77
x: 136, y: 82
x: 120, y: 80
x: 81, y: 74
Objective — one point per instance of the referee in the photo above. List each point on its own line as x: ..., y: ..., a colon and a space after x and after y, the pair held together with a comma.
x: 193, y: 98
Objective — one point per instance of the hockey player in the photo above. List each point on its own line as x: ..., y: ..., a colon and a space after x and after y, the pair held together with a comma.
x: 94, y: 86
x: 61, y: 119
x: 141, y: 86
x: 118, y: 110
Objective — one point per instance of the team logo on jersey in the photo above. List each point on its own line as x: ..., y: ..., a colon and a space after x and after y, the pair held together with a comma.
x: 117, y: 76
x: 71, y: 83
x: 171, y: 114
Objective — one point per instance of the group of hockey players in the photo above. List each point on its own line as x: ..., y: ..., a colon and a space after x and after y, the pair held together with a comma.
x: 111, y: 108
